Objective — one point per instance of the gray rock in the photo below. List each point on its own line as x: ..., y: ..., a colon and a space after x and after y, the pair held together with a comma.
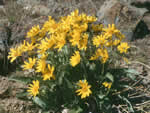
x: 62, y: 8
x: 146, y: 19
x: 40, y: 10
x: 125, y: 17
x: 88, y: 7
x: 28, y: 2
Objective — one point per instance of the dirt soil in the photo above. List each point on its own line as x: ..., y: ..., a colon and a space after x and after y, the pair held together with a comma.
x: 9, y: 103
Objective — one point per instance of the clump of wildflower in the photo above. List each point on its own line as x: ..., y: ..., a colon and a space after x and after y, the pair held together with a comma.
x: 85, y: 89
x: 56, y: 40
x: 33, y: 88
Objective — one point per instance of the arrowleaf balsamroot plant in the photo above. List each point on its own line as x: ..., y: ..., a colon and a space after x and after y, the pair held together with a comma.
x: 72, y: 62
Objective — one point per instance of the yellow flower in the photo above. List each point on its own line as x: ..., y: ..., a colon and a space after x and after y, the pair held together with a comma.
x: 75, y: 13
x: 30, y: 64
x: 85, y: 89
x: 111, y: 30
x: 109, y: 43
x: 48, y: 73
x: 97, y: 27
x: 101, y: 53
x: 91, y: 19
x: 96, y: 55
x: 83, y: 27
x: 50, y: 41
x: 42, y: 47
x: 104, y: 55
x: 99, y: 41
x: 123, y: 47
x: 75, y: 59
x: 45, y: 44
x: 119, y: 35
x: 83, y: 43
x: 87, y: 19
x: 116, y: 42
x: 15, y: 52
x: 42, y: 33
x: 50, y: 25
x: 41, y: 65
x: 60, y: 41
x: 33, y: 31
x: 75, y: 37
x: 33, y: 89
x: 107, y: 85
x: 29, y: 46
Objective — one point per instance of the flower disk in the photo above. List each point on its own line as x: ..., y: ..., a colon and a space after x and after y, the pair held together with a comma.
x: 85, y: 89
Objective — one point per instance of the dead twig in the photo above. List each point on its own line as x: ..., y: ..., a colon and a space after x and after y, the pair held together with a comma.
x: 137, y: 62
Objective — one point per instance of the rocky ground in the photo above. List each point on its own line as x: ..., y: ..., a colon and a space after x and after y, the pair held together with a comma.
x: 132, y: 17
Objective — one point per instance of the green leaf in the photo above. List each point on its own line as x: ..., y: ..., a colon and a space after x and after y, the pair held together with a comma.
x: 77, y: 109
x: 101, y: 96
x: 46, y: 112
x: 22, y: 95
x: 39, y: 102
x: 92, y: 66
x: 110, y: 77
x: 60, y: 79
x: 131, y: 76
x: 131, y: 73
x: 129, y: 105
x: 68, y: 83
x: 130, y: 108
x: 24, y: 80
